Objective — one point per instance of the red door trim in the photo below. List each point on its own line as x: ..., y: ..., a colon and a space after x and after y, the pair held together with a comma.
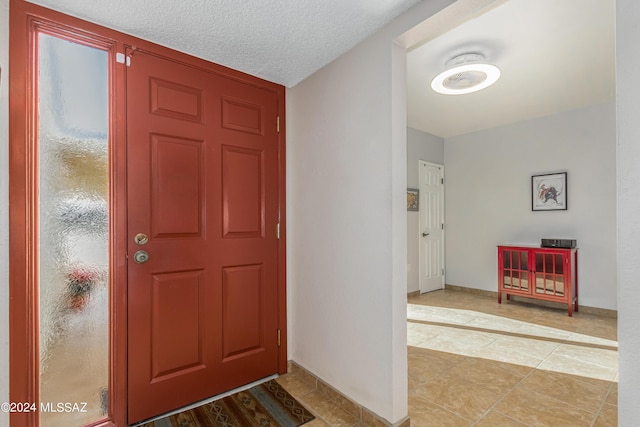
x: 282, y: 243
x: 26, y: 21
x: 22, y: 346
x: 23, y: 341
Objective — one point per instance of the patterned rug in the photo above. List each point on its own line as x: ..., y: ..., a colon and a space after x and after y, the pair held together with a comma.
x: 264, y: 405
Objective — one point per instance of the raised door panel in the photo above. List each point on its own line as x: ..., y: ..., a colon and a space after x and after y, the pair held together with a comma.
x: 243, y: 192
x: 177, y: 330
x: 177, y: 187
x: 178, y: 101
x: 242, y: 324
x: 242, y: 115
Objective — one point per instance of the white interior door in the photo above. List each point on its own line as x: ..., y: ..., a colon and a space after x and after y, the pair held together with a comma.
x: 431, y: 226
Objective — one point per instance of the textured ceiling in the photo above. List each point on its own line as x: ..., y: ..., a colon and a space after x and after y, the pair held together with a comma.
x: 554, y: 56
x: 283, y: 41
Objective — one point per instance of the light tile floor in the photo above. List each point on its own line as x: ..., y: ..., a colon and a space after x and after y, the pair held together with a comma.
x: 473, y: 362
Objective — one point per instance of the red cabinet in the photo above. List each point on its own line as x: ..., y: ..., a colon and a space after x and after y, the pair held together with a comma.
x: 549, y: 274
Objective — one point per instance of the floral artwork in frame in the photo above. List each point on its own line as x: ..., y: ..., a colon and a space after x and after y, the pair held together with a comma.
x: 549, y: 192
x: 413, y: 199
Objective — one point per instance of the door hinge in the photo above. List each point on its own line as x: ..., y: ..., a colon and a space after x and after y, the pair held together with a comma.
x: 278, y: 231
x: 443, y: 271
x: 278, y: 337
x: 278, y: 124
x: 441, y: 180
x: 442, y: 226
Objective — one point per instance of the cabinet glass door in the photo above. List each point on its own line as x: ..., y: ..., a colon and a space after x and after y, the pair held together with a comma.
x: 549, y: 274
x: 516, y: 270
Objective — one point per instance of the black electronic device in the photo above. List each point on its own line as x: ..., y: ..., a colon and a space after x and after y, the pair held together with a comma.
x: 559, y: 243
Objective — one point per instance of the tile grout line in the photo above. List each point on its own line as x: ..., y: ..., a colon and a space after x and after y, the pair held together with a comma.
x: 473, y: 423
x: 533, y: 369
x: 446, y: 410
x: 604, y: 402
x: 454, y: 364
x: 505, y: 395
x: 315, y: 387
x: 565, y: 403
x: 306, y: 405
x: 317, y: 414
x: 313, y: 411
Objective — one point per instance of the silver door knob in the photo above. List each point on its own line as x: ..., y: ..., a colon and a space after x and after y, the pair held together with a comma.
x: 425, y: 234
x: 141, y: 257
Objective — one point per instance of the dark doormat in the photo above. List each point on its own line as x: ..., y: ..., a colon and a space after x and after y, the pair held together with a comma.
x: 264, y: 405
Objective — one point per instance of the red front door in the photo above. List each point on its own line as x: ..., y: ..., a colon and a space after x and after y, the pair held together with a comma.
x: 202, y: 164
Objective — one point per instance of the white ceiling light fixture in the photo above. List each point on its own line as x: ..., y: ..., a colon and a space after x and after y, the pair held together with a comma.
x: 465, y: 73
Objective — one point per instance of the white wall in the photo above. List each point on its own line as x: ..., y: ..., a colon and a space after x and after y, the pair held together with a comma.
x: 420, y: 146
x: 628, y: 112
x: 346, y: 150
x: 4, y: 208
x: 488, y: 197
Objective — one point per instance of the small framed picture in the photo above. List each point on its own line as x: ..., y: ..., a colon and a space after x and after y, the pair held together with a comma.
x: 549, y: 192
x: 413, y: 199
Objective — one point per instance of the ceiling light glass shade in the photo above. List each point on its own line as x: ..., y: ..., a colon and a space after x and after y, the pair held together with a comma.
x: 465, y: 78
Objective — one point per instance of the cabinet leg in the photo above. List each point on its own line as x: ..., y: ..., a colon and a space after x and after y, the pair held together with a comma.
x: 508, y: 297
x: 499, y: 297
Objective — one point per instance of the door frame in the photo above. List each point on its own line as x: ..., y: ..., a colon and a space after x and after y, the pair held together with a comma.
x: 442, y: 212
x: 25, y: 19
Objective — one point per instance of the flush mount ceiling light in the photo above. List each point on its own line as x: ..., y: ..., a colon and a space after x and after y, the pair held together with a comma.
x: 465, y: 74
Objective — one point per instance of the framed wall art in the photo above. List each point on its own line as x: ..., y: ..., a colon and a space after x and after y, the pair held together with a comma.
x: 549, y: 192
x: 413, y: 199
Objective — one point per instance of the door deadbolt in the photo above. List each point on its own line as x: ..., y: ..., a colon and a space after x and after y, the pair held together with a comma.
x: 141, y: 257
x: 141, y: 239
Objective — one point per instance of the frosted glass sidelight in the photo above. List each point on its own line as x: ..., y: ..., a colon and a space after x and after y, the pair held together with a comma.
x: 73, y: 232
